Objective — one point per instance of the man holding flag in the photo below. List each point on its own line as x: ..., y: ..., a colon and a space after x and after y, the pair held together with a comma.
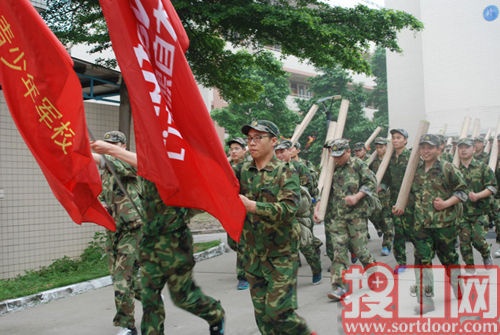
x: 166, y: 257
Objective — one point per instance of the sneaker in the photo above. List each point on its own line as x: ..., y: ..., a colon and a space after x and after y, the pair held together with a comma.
x: 400, y: 269
x: 316, y: 279
x: 242, y: 284
x: 218, y: 328
x: 127, y: 331
x: 425, y: 307
x: 488, y: 260
x: 497, y: 254
x: 354, y: 258
x: 385, y: 251
x: 336, y: 294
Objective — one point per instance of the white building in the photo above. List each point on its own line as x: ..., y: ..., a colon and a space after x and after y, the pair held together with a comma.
x: 449, y: 70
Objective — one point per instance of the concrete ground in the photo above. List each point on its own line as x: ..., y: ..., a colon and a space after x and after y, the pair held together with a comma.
x: 92, y: 312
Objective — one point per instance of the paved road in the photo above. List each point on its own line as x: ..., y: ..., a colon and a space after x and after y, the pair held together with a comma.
x: 92, y: 312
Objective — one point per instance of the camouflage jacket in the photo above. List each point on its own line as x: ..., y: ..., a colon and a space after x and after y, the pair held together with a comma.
x: 272, y: 230
x: 482, y: 156
x: 443, y: 180
x: 393, y: 177
x: 384, y: 193
x: 306, y: 178
x: 447, y: 156
x: 119, y: 205
x: 478, y: 176
x: 349, y: 179
x: 159, y: 217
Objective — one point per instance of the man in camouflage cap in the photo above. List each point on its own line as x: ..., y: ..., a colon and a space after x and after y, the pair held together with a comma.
x: 122, y: 246
x: 237, y: 154
x: 479, y: 154
x: 270, y: 191
x: 360, y: 151
x: 382, y: 218
x: 482, y: 186
x: 392, y: 179
x: 349, y: 206
x: 304, y: 213
x: 439, y: 189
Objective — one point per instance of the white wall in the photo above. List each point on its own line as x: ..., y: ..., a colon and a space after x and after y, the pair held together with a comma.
x: 448, y: 71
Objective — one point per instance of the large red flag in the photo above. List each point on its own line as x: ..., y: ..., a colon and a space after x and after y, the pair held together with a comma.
x: 45, y: 99
x: 177, y: 146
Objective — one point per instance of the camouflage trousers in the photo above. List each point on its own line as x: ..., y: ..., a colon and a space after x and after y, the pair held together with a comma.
x: 428, y: 243
x: 348, y: 234
x: 273, y: 289
x: 122, y: 248
x: 168, y: 259
x: 404, y: 231
x: 240, y: 270
x: 382, y: 220
x: 309, y: 248
x: 471, y: 233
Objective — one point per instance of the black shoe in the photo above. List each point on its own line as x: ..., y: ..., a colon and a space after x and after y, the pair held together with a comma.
x: 218, y: 328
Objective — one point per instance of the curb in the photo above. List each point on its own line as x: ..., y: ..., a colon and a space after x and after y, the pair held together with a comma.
x: 13, y: 305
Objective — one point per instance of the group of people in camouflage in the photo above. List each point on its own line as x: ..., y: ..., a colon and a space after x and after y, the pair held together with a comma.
x: 280, y: 193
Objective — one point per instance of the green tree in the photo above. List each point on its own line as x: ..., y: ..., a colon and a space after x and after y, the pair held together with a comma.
x: 270, y: 104
x: 311, y: 30
x: 378, y: 97
x: 358, y: 127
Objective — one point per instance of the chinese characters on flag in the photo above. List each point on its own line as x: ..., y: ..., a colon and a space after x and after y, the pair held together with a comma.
x: 177, y: 146
x: 45, y: 100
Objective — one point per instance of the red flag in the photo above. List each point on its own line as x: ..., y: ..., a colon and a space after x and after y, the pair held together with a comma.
x: 177, y: 146
x: 45, y: 99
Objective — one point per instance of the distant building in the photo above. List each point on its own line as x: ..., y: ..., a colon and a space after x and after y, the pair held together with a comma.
x: 450, y: 70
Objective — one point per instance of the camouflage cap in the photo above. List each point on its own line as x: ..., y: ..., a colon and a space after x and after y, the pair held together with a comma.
x: 465, y: 141
x: 237, y: 140
x: 115, y: 136
x: 430, y: 139
x: 262, y: 125
x: 380, y: 140
x: 479, y: 139
x: 284, y: 144
x: 400, y: 131
x: 358, y: 146
x: 297, y: 145
x: 339, y: 146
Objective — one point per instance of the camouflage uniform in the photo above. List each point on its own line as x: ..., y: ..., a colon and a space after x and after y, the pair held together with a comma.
x: 478, y: 176
x: 304, y: 216
x: 240, y: 270
x: 123, y: 244
x: 436, y: 231
x: 271, y: 245
x: 382, y: 219
x: 167, y: 258
x: 403, y: 225
x: 348, y: 225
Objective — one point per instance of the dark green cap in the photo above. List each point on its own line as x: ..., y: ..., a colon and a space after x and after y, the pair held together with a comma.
x: 430, y: 139
x: 465, y: 141
x: 237, y: 140
x: 115, y: 136
x: 339, y: 146
x: 380, y: 140
x: 284, y: 144
x: 358, y: 146
x: 262, y: 125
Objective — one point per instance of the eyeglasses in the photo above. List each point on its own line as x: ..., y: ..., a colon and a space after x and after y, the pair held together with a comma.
x: 256, y: 138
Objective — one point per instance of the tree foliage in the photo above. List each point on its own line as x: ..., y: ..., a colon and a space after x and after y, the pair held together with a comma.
x: 358, y: 127
x: 378, y: 98
x: 310, y: 30
x: 270, y: 104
